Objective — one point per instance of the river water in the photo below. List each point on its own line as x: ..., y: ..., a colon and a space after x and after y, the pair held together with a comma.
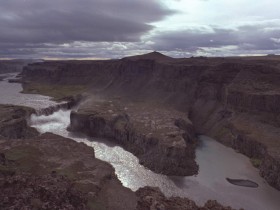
x: 10, y: 94
x: 216, y: 162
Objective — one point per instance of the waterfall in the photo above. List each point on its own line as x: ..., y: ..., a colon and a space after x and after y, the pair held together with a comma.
x: 55, y: 122
x: 72, y: 103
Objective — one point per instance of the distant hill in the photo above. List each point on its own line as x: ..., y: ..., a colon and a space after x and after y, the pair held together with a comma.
x: 150, y: 56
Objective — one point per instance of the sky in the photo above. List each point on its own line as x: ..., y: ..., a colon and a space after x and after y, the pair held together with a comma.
x: 102, y: 29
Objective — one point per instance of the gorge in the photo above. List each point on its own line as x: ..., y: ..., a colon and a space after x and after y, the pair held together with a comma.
x: 157, y: 108
x: 233, y: 100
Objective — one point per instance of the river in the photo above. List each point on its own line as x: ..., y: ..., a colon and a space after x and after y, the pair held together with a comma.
x: 216, y: 162
x: 10, y: 94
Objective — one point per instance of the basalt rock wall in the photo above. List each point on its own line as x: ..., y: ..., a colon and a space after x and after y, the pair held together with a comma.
x: 13, y: 122
x: 215, y: 93
x: 70, y: 102
x: 153, y: 152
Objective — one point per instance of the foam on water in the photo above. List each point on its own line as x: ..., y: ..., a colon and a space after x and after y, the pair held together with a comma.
x: 55, y: 123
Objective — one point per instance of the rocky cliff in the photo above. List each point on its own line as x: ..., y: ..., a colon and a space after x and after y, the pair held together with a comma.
x: 35, y: 174
x: 11, y: 66
x: 163, y: 140
x: 234, y: 100
x: 13, y: 122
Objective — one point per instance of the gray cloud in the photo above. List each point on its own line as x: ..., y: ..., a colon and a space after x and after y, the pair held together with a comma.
x: 62, y: 21
x: 254, y: 37
x: 116, y: 28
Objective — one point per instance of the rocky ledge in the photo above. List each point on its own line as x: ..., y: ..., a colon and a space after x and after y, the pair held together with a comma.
x: 163, y: 140
x: 13, y: 124
x: 35, y: 174
x: 152, y: 199
x: 25, y: 191
x: 67, y: 103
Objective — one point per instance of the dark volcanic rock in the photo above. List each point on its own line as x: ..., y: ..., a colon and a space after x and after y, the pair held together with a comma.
x: 163, y: 140
x: 11, y: 66
x: 52, y: 172
x: 150, y: 56
x: 14, y: 81
x: 270, y: 170
x: 242, y: 182
x: 25, y: 191
x: 71, y: 102
x: 36, y: 173
x: 13, y: 124
x: 152, y: 199
x: 235, y: 100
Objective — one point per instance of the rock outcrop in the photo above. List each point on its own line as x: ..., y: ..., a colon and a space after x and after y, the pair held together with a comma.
x: 235, y: 100
x: 163, y: 140
x: 35, y: 174
x: 25, y: 191
x: 13, y: 122
x: 11, y: 66
x: 69, y: 103
x: 152, y: 199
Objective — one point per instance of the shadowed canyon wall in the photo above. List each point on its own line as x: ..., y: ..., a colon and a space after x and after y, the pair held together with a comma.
x: 235, y: 101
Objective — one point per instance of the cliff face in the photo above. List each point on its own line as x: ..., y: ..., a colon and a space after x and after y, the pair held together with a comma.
x: 13, y: 124
x: 35, y: 174
x: 11, y: 66
x: 163, y: 140
x: 233, y: 100
x: 69, y: 72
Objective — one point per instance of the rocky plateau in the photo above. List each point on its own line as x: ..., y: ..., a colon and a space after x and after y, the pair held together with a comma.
x: 234, y: 100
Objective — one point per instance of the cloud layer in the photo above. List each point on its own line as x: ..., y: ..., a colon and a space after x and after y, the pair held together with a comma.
x: 29, y: 24
x: 116, y: 28
x: 257, y: 36
x: 56, y: 21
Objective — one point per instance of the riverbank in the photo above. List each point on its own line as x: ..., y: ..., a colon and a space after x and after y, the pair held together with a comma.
x: 221, y: 96
x: 134, y: 176
x: 90, y: 183
x: 74, y: 179
x: 13, y: 123
x: 209, y: 183
x: 163, y: 139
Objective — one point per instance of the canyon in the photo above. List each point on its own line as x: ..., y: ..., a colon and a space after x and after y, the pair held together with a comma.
x: 234, y: 100
x: 151, y: 105
x: 35, y: 174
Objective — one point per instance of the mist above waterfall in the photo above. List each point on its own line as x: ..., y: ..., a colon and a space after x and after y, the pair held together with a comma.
x: 58, y: 121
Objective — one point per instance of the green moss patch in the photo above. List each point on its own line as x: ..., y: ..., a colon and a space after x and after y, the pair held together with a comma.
x: 221, y: 133
x: 256, y: 162
x: 58, y: 92
x: 7, y: 170
x: 95, y: 205
x: 27, y: 159
x: 72, y: 170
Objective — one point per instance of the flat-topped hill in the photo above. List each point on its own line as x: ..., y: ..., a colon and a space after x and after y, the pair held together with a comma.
x: 150, y: 56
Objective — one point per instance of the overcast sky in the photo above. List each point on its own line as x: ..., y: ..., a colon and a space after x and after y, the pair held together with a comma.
x: 117, y: 28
